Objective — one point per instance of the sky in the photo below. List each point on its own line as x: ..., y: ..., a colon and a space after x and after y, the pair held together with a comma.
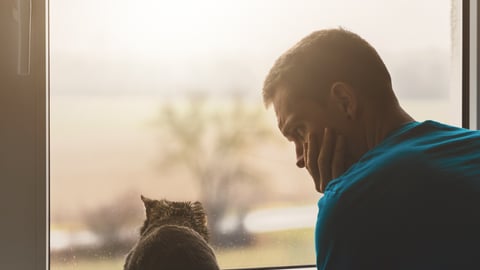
x: 119, y: 47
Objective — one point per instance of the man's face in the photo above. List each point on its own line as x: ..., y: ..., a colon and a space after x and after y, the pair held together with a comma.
x: 298, y: 118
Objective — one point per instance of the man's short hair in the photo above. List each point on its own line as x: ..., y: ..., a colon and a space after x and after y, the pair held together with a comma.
x: 324, y: 57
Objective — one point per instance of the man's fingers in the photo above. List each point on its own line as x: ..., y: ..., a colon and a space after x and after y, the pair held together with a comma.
x: 338, y: 163
x: 312, y: 152
x: 325, y: 159
x: 300, y: 154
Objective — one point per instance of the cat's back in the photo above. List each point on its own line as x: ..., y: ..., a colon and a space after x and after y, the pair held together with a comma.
x: 172, y: 247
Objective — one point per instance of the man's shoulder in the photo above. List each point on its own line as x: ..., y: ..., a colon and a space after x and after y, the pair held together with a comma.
x: 423, y: 142
x: 436, y: 130
x: 418, y: 152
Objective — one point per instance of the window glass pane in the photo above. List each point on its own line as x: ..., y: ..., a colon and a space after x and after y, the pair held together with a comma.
x: 163, y: 98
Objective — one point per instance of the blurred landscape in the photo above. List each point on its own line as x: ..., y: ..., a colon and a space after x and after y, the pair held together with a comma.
x: 105, y: 172
x: 96, y: 208
x: 163, y: 98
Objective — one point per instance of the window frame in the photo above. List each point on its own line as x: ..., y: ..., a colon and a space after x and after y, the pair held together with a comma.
x: 24, y: 115
x: 470, y: 64
x: 24, y: 229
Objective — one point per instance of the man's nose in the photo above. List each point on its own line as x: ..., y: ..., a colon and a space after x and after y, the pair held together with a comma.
x: 300, y: 155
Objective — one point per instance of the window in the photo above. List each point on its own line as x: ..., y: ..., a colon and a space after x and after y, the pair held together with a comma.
x: 115, y: 66
x: 163, y: 99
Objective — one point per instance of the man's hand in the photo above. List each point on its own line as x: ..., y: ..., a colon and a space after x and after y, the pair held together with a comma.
x: 326, y: 161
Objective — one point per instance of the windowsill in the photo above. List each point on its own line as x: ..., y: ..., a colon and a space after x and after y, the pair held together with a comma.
x: 299, y: 267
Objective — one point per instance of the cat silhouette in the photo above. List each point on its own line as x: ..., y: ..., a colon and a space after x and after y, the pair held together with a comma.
x: 174, y: 236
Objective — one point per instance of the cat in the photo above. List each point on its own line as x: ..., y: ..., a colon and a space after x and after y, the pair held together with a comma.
x: 174, y: 236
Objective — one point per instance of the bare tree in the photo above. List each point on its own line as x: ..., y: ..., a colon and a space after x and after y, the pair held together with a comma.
x: 212, y: 142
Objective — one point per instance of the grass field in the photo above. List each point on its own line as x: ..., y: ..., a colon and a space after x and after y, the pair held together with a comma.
x: 293, y: 247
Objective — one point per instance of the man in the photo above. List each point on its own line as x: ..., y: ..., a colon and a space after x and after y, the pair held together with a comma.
x: 397, y: 194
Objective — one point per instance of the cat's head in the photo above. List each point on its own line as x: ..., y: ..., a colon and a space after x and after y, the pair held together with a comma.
x: 162, y: 212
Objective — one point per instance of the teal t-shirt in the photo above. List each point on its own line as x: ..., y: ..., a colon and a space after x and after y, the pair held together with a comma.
x: 411, y: 202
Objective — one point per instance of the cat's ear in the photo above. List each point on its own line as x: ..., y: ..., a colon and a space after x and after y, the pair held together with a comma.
x: 197, y: 208
x: 148, y: 205
x: 197, y: 205
x: 146, y: 201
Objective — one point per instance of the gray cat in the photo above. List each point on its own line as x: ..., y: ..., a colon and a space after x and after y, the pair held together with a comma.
x: 174, y: 236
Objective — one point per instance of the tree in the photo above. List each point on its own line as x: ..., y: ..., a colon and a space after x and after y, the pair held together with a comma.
x: 212, y: 141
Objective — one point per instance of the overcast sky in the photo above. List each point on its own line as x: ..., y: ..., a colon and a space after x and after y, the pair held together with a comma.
x: 136, y: 46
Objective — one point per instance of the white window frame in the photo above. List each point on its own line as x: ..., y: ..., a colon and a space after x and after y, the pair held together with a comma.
x: 24, y: 156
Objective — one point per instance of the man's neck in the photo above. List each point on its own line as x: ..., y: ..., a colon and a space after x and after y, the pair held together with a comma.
x: 385, y: 123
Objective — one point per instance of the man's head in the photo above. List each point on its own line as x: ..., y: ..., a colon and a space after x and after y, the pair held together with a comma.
x: 330, y: 79
x: 324, y: 57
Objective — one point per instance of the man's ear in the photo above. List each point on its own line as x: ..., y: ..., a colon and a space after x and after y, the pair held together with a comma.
x: 345, y: 98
